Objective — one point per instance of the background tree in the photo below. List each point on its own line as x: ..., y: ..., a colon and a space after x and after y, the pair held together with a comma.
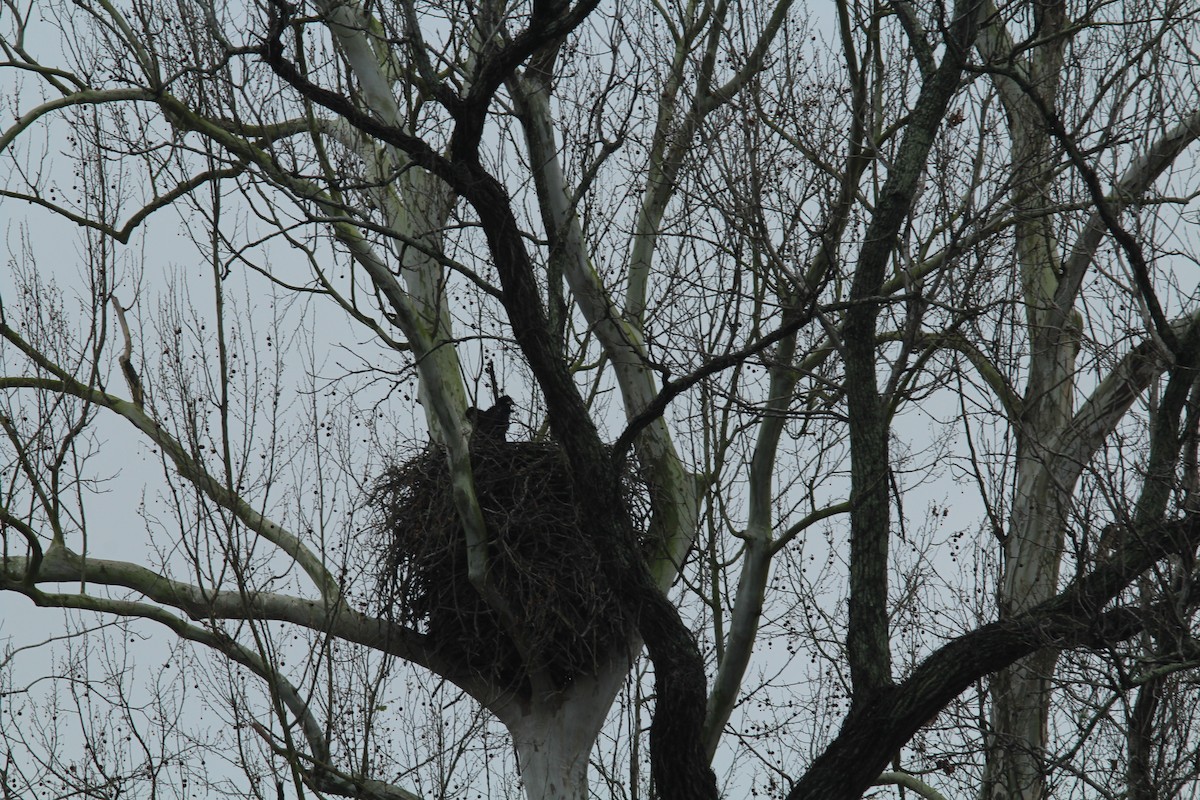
x: 861, y: 347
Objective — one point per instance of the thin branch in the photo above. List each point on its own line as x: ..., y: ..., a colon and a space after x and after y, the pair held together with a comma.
x: 194, y: 472
x: 1107, y: 210
x: 61, y: 565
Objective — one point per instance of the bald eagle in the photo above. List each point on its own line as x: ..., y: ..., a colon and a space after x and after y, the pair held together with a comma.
x: 491, y: 425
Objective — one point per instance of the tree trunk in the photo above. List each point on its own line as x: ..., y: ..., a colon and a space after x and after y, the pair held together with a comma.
x: 553, y: 758
x: 1033, y: 550
x: 1019, y: 721
x: 1020, y: 695
x: 1139, y: 773
x: 1032, y: 554
x: 554, y: 736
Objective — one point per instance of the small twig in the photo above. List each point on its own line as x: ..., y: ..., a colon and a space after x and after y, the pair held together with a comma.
x: 491, y: 371
x: 1108, y: 211
x: 673, y: 388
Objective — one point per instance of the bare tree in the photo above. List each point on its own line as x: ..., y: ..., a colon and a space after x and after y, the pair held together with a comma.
x: 504, y: 341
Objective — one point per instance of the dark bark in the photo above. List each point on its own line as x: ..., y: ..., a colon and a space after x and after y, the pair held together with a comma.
x: 677, y: 755
x: 867, y: 641
x: 550, y: 21
x: 880, y: 726
x: 1140, y: 772
x: 793, y: 321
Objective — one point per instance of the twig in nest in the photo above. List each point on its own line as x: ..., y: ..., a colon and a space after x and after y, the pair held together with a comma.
x: 570, y: 619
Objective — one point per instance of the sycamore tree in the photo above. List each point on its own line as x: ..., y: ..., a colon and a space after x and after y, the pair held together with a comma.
x: 860, y: 341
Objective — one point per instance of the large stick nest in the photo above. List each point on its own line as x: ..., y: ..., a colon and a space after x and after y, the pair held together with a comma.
x: 543, y: 566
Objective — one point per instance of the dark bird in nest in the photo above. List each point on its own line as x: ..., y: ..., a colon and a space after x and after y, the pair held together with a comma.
x: 491, y: 425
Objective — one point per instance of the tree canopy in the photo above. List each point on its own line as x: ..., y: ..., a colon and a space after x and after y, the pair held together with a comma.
x: 555, y: 399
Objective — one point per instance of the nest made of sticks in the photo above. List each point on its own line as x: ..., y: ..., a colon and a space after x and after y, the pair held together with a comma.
x: 547, y: 571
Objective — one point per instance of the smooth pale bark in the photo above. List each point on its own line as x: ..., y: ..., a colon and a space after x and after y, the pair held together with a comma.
x: 61, y: 565
x: 757, y: 552
x: 676, y: 753
x: 416, y: 206
x: 555, y: 734
x: 215, y: 490
x: 1020, y: 696
x: 909, y: 781
x: 844, y: 770
x: 1054, y: 443
x: 675, y: 498
x: 553, y: 754
x: 676, y: 503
